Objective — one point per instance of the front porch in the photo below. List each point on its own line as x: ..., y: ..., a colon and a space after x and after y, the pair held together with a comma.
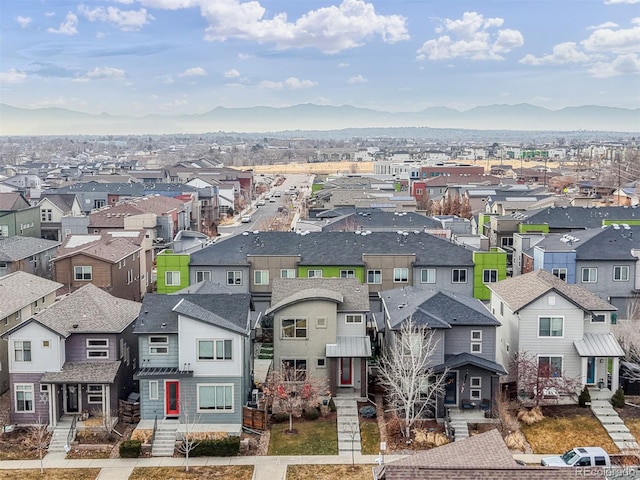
x: 599, y: 360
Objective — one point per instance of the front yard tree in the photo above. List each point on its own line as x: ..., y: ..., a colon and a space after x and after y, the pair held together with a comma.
x: 292, y: 390
x: 627, y: 332
x: 38, y: 438
x: 189, y: 436
x: 406, y: 372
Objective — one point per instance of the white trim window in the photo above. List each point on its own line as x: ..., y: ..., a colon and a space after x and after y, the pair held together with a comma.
x: 374, y: 277
x: 158, y: 345
x: 314, y: 273
x: 23, y: 396
x: 153, y: 390
x: 400, y: 275
x: 22, y: 350
x: 589, y: 275
x: 561, y: 273
x: 172, y: 279
x: 294, y: 369
x: 428, y: 275
x: 549, y: 366
x: 203, y: 276
x: 458, y: 275
x: 353, y: 318
x: 210, y: 350
x: 261, y: 277
x: 489, y: 275
x: 83, y: 273
x: 94, y: 394
x: 215, y: 397
x: 294, y: 328
x: 551, y: 327
x: 321, y: 322
x: 321, y: 362
x: 234, y: 277
x: 97, y: 347
x: 288, y: 273
x: 476, y: 341
x: 620, y: 273
x: 475, y: 390
x: 347, y: 274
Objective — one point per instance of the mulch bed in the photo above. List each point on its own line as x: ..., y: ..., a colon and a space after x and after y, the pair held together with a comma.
x: 557, y: 411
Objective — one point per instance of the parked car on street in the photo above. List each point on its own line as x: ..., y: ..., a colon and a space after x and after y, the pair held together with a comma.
x: 246, y: 219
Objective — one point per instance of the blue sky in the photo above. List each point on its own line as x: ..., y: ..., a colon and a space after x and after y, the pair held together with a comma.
x: 188, y: 56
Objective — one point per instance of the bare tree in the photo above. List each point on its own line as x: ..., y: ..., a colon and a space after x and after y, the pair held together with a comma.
x: 189, y: 437
x: 405, y: 371
x: 353, y: 430
x: 424, y: 201
x: 38, y: 438
x: 627, y: 332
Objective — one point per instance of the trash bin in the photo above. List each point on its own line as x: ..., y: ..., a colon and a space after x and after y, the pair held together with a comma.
x: 600, y: 384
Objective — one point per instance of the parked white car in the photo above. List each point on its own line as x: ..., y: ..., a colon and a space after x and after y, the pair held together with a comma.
x: 246, y: 219
x: 579, y: 457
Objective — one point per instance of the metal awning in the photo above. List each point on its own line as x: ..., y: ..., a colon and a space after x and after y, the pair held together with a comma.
x: 84, y: 372
x: 598, y: 345
x: 353, y: 347
x: 168, y: 372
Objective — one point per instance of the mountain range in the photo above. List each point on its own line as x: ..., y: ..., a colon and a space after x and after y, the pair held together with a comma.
x: 524, y: 117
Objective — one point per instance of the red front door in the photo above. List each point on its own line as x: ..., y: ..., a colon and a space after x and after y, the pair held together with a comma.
x: 345, y: 371
x: 172, y: 398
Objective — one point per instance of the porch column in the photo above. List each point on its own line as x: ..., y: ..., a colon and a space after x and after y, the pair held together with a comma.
x: 364, y: 381
x: 106, y: 404
x: 583, y: 377
x: 333, y: 373
x: 615, y: 373
x: 53, y: 404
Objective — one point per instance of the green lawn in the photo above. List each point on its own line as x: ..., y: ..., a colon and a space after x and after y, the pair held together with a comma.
x: 370, y: 437
x: 318, y: 437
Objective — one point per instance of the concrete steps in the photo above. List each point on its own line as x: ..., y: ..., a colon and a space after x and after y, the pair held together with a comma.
x: 164, y: 443
x: 59, y: 435
x: 611, y: 421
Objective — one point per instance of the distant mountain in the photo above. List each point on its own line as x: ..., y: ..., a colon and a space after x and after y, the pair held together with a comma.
x: 60, y: 121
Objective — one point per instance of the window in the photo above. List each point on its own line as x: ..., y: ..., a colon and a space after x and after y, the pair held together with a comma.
x: 4, y: 230
x: 374, y: 276
x: 475, y: 392
x: 44, y: 387
x: 295, y: 370
x: 314, y: 274
x: 158, y: 345
x: 321, y: 363
x: 82, y: 273
x: 502, y: 308
x: 46, y: 215
x: 97, y: 342
x: 428, y: 275
x: 46, y: 344
x: 321, y: 322
x: 589, y: 275
x: 561, y: 273
x: 507, y: 241
x: 620, y: 273
x: 214, y: 350
x: 287, y: 273
x: 459, y: 275
x: 234, y: 277
x: 476, y: 341
x: 22, y: 349
x: 261, y: 277
x: 489, y: 276
x: 153, y: 390
x: 203, y: 275
x: 354, y: 318
x: 215, y: 397
x: 551, y: 300
x: 130, y: 276
x: 597, y: 319
x: 94, y: 394
x: 550, y: 326
x: 549, y: 366
x: 24, y: 397
x: 400, y: 275
x: 172, y: 279
x: 347, y: 274
x: 294, y: 328
x: 97, y: 353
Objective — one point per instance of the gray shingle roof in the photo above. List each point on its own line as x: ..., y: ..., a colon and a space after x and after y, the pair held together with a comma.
x: 17, y: 248
x: 238, y: 323
x: 64, y: 201
x: 374, y: 218
x: 89, y: 310
x: 348, y: 293
x: 84, y: 372
x: 334, y: 248
x: 19, y: 289
x: 107, y: 248
x: 520, y: 291
x: 580, y: 217
x: 434, y: 308
x: 455, y: 361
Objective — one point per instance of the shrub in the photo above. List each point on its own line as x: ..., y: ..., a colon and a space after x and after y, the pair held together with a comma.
x: 280, y: 417
x: 516, y: 441
x: 584, y: 397
x: 332, y: 405
x: 225, y: 447
x: 368, y: 411
x: 313, y: 414
x: 530, y: 416
x: 130, y: 449
x: 617, y: 400
x: 394, y: 427
x: 430, y: 439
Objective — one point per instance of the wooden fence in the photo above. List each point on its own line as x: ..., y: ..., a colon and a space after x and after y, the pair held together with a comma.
x: 254, y: 418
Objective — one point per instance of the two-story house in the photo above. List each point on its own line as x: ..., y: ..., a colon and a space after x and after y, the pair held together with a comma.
x: 320, y: 330
x: 76, y: 356
x: 465, y: 335
x: 27, y: 254
x: 53, y: 207
x: 564, y: 326
x: 18, y: 217
x: 195, y: 357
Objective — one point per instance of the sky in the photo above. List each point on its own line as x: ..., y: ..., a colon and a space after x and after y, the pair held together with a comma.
x: 139, y: 57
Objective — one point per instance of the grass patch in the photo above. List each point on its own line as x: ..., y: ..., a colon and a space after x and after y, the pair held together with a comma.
x: 51, y: 474
x: 370, y: 437
x: 328, y: 472
x: 318, y: 437
x: 633, y: 424
x: 557, y: 435
x: 237, y: 472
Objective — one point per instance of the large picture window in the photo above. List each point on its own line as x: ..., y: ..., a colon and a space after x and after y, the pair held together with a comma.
x: 215, y: 397
x: 24, y: 397
x: 549, y: 366
x: 214, y: 350
x: 294, y: 328
x: 22, y: 350
x: 550, y: 326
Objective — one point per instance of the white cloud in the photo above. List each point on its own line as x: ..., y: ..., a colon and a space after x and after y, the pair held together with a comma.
x: 329, y: 29
x: 244, y: 56
x: 623, y: 40
x: 233, y: 73
x: 473, y: 37
x: 294, y: 83
x: 270, y: 85
x: 50, y: 14
x: 13, y: 76
x: 623, y: 65
x: 102, y: 73
x: 68, y: 27
x: 357, y: 79
x: 562, y: 54
x: 194, y: 72
x: 343, y: 65
x: 23, y: 21
x: 603, y: 25
x: 128, y: 20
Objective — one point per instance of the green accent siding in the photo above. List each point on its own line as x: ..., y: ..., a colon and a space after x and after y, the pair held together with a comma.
x: 484, y: 218
x: 620, y: 222
x: 167, y: 261
x: 495, y: 259
x: 397, y: 186
x: 316, y: 187
x: 533, y: 227
x: 331, y: 272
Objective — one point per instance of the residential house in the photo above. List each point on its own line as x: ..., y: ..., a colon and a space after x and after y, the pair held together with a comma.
x: 27, y: 254
x: 22, y: 296
x: 52, y: 208
x: 18, y: 217
x: 76, y: 356
x: 564, y: 326
x: 112, y: 263
x: 378, y: 220
x: 320, y: 330
x: 465, y: 332
x: 195, y: 357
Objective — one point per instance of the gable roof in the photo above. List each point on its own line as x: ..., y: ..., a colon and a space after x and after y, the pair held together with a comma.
x: 460, y: 359
x: 104, y: 247
x: 114, y: 215
x: 12, y: 201
x: 17, y: 247
x: 520, y: 291
x: 19, y: 289
x: 348, y: 293
x: 64, y: 201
